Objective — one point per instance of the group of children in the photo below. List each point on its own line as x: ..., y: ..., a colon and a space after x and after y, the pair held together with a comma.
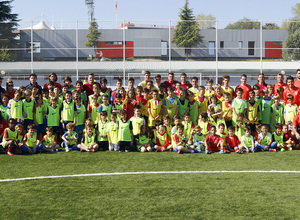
x: 147, y: 118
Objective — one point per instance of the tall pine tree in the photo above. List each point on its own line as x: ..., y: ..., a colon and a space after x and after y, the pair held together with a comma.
x: 93, y: 36
x: 187, y: 31
x: 8, y: 24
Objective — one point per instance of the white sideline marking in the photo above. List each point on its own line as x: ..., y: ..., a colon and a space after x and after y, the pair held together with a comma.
x: 150, y: 172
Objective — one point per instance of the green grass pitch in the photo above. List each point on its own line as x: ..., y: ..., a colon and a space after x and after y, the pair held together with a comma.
x: 146, y: 196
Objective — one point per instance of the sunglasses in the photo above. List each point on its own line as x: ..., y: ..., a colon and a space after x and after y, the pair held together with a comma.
x: 10, y: 85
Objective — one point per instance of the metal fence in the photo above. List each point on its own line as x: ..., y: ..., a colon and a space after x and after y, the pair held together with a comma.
x: 61, y: 46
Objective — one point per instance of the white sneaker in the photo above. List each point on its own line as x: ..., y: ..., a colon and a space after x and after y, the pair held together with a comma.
x: 67, y: 149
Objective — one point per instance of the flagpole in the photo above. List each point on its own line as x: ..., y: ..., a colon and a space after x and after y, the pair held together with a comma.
x: 116, y: 13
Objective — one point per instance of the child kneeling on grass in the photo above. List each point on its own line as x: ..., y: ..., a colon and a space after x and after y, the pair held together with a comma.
x: 88, y: 142
x: 213, y: 142
x: 144, y: 140
x: 31, y: 143
x: 49, y: 141
x: 180, y: 142
x: 70, y: 138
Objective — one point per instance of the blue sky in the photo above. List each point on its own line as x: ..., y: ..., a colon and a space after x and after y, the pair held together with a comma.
x: 142, y: 11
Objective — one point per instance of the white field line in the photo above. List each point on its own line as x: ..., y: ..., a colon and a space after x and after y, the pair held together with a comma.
x: 150, y: 172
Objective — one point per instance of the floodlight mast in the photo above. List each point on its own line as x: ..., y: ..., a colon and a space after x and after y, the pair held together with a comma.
x: 90, y: 5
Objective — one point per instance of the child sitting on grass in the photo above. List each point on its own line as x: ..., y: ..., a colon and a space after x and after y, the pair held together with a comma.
x: 144, y: 140
x: 264, y: 140
x: 163, y: 140
x: 89, y: 142
x: 31, y: 143
x: 180, y: 142
x: 232, y: 141
x: 247, y: 141
x: 278, y: 139
x: 197, y: 138
x: 10, y: 140
x: 49, y: 141
x: 213, y: 142
x: 70, y: 138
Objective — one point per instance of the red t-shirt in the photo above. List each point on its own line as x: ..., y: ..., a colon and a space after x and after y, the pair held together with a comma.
x: 168, y: 84
x: 261, y: 87
x: 130, y: 108
x: 296, y: 121
x: 88, y: 88
x: 295, y: 92
x: 246, y: 89
x: 3, y: 126
x: 55, y: 84
x: 213, y: 142
x: 297, y: 83
x: 166, y: 143
x: 186, y: 86
x: 232, y: 141
x: 277, y: 85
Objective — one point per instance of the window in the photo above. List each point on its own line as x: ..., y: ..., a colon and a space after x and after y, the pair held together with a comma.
x: 221, y: 44
x: 240, y: 44
x: 114, y: 43
x: 251, y: 48
x: 211, y: 48
x: 164, y: 48
x: 36, y: 47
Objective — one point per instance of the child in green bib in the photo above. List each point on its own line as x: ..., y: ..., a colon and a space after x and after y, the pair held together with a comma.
x: 70, y: 138
x: 144, y: 140
x: 31, y: 142
x: 49, y: 141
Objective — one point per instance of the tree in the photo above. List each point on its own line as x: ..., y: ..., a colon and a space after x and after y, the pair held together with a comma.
x: 292, y: 41
x: 206, y: 21
x: 296, y: 10
x: 187, y: 31
x: 271, y: 26
x: 8, y: 26
x: 244, y: 23
x: 93, y: 35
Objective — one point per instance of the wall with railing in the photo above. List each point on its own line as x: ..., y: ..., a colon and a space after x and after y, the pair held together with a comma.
x: 138, y: 45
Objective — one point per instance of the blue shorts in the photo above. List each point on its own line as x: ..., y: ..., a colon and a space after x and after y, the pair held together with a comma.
x: 79, y: 128
x: 175, y: 149
x: 40, y: 128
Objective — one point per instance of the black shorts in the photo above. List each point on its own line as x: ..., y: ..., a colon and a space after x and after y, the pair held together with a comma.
x: 103, y: 145
x: 56, y: 129
x: 253, y: 127
x: 124, y: 145
x: 27, y: 122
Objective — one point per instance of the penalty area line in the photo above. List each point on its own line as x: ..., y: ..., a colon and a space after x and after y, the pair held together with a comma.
x: 149, y: 172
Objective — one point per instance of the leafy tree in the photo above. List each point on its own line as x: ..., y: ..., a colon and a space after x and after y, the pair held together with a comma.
x: 296, y: 10
x: 292, y: 41
x: 187, y: 31
x: 244, y: 23
x: 8, y: 26
x: 93, y: 35
x: 206, y: 21
x: 271, y: 26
